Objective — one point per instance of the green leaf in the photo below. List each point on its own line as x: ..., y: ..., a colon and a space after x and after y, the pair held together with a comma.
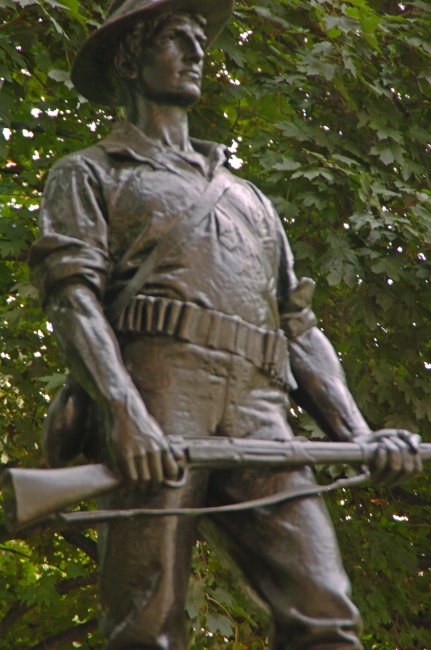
x: 291, y: 130
x: 312, y: 65
x: 286, y: 165
x: 341, y: 23
x: 74, y: 8
x: 219, y: 623
x: 59, y: 75
x: 388, y: 152
x: 53, y: 382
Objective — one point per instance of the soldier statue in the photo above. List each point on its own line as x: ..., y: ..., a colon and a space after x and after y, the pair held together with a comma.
x: 170, y: 285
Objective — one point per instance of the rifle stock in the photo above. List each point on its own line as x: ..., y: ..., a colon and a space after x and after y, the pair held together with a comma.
x: 32, y: 495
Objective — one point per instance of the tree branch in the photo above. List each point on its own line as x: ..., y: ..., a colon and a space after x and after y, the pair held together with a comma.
x: 71, y: 634
x: 12, y: 616
x: 80, y: 541
x: 68, y: 585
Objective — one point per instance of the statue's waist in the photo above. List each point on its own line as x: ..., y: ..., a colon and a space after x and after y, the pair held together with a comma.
x: 188, y: 322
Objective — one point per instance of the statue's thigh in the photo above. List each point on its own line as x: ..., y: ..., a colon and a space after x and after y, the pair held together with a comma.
x: 145, y: 566
x: 289, y: 554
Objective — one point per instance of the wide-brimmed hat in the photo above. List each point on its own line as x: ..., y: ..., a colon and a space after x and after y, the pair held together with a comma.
x: 91, y: 71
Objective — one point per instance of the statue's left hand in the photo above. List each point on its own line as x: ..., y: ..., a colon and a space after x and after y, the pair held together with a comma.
x: 397, y: 457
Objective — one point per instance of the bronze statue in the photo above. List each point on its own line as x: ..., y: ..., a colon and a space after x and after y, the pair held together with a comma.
x: 171, y: 288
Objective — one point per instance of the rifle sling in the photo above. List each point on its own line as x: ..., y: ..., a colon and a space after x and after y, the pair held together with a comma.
x: 186, y: 222
x: 94, y: 517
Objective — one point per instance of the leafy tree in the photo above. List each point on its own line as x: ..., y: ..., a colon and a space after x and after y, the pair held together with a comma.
x: 326, y: 106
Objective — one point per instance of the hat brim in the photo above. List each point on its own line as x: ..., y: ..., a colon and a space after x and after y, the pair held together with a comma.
x: 91, y: 70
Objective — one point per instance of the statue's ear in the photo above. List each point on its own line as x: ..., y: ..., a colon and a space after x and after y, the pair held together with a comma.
x: 124, y: 65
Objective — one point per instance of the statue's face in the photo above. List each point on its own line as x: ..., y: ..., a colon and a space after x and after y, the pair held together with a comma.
x: 171, y: 68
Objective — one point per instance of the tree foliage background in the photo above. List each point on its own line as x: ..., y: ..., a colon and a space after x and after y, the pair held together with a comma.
x: 325, y: 106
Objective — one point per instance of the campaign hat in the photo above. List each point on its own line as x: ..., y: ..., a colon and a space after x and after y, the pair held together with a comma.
x: 91, y: 70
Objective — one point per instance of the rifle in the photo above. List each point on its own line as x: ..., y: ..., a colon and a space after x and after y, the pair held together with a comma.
x: 33, y: 495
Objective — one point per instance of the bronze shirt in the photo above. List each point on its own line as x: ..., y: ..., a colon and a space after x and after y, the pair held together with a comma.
x: 107, y: 206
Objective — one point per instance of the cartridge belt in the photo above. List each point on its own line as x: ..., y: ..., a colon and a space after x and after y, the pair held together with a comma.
x: 186, y: 321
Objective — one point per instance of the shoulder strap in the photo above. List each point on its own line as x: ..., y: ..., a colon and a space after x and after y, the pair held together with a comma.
x: 186, y: 222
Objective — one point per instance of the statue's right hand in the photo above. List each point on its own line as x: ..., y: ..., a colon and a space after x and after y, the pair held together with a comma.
x: 138, y: 447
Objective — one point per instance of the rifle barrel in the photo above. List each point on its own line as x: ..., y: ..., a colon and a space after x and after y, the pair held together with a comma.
x: 228, y: 453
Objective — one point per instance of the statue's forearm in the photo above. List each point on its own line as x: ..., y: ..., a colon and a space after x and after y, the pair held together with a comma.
x: 322, y: 389
x: 135, y: 442
x: 89, y: 344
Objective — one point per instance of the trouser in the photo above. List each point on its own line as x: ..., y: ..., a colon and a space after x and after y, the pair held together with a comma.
x: 288, y: 552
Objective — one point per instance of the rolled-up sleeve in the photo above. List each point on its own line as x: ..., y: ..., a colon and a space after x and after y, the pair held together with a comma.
x: 74, y: 241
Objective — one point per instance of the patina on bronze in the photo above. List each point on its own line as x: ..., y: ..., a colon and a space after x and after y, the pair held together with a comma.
x: 201, y: 348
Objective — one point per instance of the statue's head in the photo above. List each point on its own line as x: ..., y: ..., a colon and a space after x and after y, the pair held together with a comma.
x: 154, y: 47
x: 162, y: 59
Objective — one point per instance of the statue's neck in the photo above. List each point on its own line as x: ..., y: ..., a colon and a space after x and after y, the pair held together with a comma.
x: 168, y: 125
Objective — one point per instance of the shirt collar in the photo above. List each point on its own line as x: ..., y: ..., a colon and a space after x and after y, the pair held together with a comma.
x: 128, y: 141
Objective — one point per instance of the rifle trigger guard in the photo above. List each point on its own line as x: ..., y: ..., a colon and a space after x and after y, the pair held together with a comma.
x: 179, y: 482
